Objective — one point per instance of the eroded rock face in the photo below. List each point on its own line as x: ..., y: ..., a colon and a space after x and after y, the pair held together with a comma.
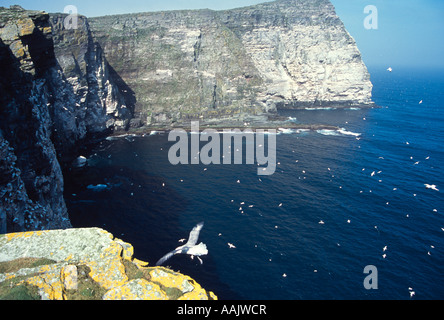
x: 91, y: 101
x: 54, y: 95
x: 214, y: 64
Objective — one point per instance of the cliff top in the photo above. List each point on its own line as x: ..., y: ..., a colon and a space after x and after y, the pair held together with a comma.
x: 85, y: 264
x: 17, y: 12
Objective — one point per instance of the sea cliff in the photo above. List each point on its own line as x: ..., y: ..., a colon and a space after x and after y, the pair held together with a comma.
x: 234, y: 64
x: 56, y: 95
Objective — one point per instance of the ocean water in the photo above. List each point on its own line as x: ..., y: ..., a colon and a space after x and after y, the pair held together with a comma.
x: 338, y: 202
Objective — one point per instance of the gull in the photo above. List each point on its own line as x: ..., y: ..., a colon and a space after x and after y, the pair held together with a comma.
x: 321, y: 222
x: 389, y: 69
x: 232, y: 246
x: 188, y: 248
x: 420, y: 102
x: 431, y: 186
x: 385, y: 248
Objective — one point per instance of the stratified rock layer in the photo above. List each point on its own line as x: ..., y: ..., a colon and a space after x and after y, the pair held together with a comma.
x: 235, y: 63
x: 85, y: 264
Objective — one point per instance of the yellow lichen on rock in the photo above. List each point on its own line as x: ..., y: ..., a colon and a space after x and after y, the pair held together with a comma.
x: 26, y: 26
x: 137, y: 289
x: 88, y: 263
x: 49, y: 283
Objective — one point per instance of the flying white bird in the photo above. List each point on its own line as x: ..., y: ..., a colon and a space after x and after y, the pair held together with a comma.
x: 431, y: 186
x: 389, y: 69
x: 188, y: 248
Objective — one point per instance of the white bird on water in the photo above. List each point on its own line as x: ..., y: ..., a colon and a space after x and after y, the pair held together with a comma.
x: 188, y: 248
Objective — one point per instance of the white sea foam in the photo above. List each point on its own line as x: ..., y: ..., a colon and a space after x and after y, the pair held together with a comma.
x: 291, y: 131
x: 342, y: 131
x: 126, y: 135
x: 286, y: 130
x: 327, y: 132
x: 320, y: 108
x: 349, y: 133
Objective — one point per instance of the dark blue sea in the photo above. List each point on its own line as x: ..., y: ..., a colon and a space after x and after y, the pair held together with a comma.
x: 338, y: 202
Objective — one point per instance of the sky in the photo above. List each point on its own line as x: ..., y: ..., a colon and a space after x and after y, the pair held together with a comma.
x: 408, y: 32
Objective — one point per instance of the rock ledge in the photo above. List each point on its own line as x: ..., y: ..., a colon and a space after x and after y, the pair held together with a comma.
x: 85, y: 264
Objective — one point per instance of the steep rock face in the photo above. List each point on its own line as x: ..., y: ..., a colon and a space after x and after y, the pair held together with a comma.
x: 46, y: 110
x: 31, y: 187
x: 303, y: 52
x: 215, y: 64
x: 90, y: 101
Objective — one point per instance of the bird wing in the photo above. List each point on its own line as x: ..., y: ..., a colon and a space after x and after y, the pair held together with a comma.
x: 194, y: 234
x: 166, y: 257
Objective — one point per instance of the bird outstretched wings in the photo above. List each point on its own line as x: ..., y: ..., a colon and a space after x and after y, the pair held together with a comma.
x: 194, y: 234
x: 190, y: 247
x: 166, y: 257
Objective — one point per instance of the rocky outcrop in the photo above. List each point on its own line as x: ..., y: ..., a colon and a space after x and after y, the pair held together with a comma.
x: 54, y: 96
x: 231, y: 64
x: 85, y: 264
